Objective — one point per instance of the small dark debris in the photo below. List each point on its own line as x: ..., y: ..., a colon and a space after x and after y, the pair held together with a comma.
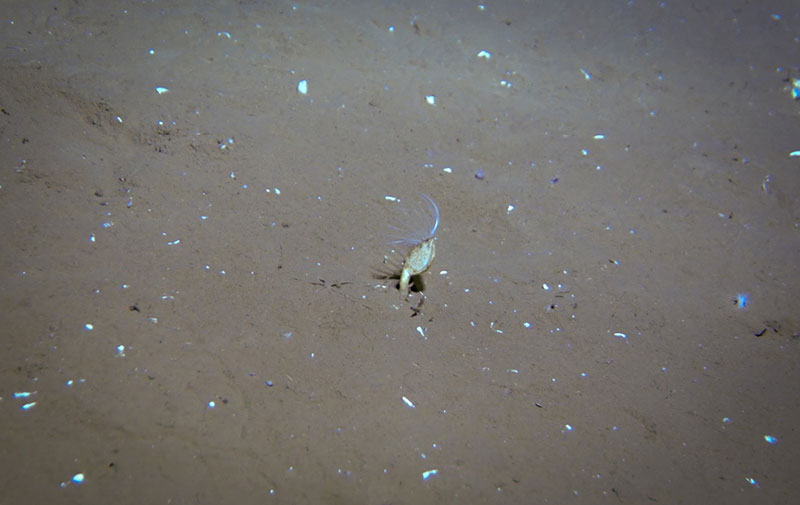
x: 760, y: 333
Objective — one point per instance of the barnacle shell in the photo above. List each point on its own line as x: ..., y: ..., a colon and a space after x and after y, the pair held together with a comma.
x: 417, y: 261
x: 417, y: 228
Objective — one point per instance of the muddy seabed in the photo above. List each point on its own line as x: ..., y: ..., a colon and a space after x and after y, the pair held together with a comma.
x: 191, y: 251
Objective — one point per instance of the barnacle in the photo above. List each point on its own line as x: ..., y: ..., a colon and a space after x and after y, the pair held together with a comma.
x: 416, y: 231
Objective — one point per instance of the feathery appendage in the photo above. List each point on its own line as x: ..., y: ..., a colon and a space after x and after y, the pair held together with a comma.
x: 417, y: 222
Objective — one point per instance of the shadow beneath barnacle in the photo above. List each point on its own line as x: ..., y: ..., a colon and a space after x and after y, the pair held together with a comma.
x: 417, y: 284
x: 388, y: 272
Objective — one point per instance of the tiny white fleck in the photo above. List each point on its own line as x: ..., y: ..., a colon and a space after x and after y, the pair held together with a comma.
x: 408, y: 402
x: 302, y: 87
x: 431, y: 99
x: 429, y: 473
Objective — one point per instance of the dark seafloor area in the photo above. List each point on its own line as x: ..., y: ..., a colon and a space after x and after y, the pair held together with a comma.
x: 190, y: 311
